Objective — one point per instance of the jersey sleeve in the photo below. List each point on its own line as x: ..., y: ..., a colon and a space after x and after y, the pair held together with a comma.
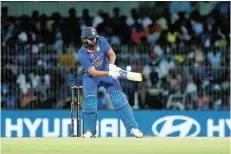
x: 106, y: 45
x: 84, y: 61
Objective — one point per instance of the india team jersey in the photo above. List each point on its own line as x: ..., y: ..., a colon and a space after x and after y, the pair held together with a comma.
x: 98, y: 59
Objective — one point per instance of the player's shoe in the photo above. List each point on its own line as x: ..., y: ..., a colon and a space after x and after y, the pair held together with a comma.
x: 87, y: 135
x: 136, y: 132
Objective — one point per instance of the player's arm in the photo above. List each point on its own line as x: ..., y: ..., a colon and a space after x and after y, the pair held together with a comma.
x: 94, y: 72
x: 109, y: 51
x: 86, y: 63
x: 111, y: 56
x: 97, y: 73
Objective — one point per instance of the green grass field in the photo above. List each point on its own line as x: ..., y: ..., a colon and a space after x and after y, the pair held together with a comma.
x: 115, y: 146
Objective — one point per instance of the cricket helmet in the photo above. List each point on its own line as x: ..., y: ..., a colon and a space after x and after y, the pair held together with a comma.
x: 89, y: 37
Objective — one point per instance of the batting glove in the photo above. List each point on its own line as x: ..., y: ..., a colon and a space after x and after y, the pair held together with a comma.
x: 112, y: 67
x: 114, y: 73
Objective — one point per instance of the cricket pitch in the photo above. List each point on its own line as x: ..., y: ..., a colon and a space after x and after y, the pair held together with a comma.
x: 147, y: 145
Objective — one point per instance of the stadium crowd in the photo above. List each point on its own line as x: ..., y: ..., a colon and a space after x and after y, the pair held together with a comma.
x: 185, y: 54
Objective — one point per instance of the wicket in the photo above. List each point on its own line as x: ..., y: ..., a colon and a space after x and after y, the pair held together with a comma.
x: 77, y: 103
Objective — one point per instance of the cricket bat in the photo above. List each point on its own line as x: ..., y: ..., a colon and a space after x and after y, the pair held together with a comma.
x: 133, y: 76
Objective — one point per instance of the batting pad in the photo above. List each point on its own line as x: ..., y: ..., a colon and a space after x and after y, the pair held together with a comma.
x: 120, y: 103
x: 90, y: 114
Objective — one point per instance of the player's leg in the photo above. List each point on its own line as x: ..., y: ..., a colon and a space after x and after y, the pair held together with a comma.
x: 121, y: 105
x: 89, y: 106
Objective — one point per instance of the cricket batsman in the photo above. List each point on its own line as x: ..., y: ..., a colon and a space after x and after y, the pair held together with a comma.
x: 98, y: 58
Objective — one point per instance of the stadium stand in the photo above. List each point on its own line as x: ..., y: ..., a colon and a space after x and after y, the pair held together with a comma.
x: 183, y: 53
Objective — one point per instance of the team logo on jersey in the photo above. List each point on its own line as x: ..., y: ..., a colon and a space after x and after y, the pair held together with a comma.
x: 97, y: 48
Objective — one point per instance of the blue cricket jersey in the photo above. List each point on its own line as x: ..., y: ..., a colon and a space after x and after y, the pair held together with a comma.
x: 98, y: 59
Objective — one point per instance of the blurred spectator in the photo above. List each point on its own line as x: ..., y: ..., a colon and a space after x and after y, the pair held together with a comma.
x: 154, y: 32
x: 223, y: 7
x: 58, y: 45
x: 116, y: 19
x: 71, y: 79
x: 165, y: 66
x: 42, y: 89
x: 205, y: 7
x: 214, y: 58
x: 71, y: 33
x: 162, y: 22
x: 173, y: 35
x: 35, y: 79
x: 66, y: 59
x: 117, y: 22
x: 153, y: 98
x: 24, y: 83
x: 191, y: 93
x: 182, y: 6
x: 174, y: 80
x: 138, y: 33
x: 98, y: 19
x: 202, y: 102
x: 197, y: 55
x: 147, y: 20
x: 197, y: 23
x: 27, y: 99
x: 9, y: 101
x: 147, y: 70
x: 218, y: 102
x: 45, y: 29
x: 35, y: 17
x: 86, y: 20
x: 124, y: 31
x: 4, y: 14
x: 9, y: 33
x: 134, y: 17
x: 106, y: 27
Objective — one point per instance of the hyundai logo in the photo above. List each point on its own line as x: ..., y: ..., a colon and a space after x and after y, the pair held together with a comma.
x: 183, y: 125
